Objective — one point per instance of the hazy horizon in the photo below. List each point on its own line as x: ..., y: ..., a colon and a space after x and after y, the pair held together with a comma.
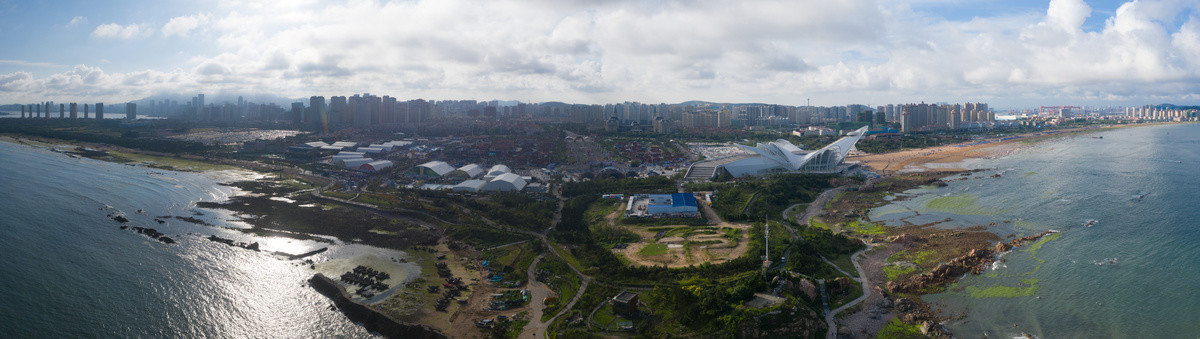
x: 1010, y: 54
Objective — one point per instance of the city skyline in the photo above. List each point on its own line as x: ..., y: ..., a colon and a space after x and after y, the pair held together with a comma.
x: 1010, y: 54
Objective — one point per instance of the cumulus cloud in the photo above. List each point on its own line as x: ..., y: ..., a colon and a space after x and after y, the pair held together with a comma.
x: 837, y: 52
x: 77, y: 20
x: 184, y: 25
x: 115, y: 30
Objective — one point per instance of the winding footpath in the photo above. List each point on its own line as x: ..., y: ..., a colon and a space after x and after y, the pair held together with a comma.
x: 537, y: 297
x: 866, y: 288
x: 815, y: 208
x: 536, y: 326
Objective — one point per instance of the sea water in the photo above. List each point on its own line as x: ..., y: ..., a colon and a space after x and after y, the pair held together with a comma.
x: 68, y: 270
x: 1126, y: 262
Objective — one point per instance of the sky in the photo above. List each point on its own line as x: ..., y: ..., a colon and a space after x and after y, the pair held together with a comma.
x: 1009, y: 53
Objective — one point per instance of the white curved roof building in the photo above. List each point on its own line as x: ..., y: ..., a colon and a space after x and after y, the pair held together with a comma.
x: 433, y: 168
x: 782, y: 156
x: 354, y: 163
x: 506, y: 182
x: 337, y: 158
x: 470, y: 170
x: 473, y: 185
x: 497, y: 170
x: 375, y: 166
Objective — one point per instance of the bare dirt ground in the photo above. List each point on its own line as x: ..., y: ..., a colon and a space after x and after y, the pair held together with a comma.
x: 458, y: 321
x: 721, y: 251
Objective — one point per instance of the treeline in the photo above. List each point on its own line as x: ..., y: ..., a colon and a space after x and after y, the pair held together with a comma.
x: 767, y: 196
x: 655, y: 184
x: 515, y: 209
x: 814, y: 242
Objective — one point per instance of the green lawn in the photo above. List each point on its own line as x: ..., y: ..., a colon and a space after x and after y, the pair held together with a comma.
x: 896, y: 329
x: 894, y: 271
x: 653, y: 250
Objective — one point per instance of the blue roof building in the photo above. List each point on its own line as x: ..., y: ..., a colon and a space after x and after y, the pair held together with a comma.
x: 672, y: 205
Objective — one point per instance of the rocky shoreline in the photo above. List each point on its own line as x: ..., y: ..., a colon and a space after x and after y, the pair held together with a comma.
x: 371, y: 318
x: 974, y: 262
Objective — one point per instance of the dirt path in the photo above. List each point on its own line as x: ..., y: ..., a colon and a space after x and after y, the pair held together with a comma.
x: 818, y: 205
x: 537, y: 297
x: 866, y: 288
x: 862, y: 321
x: 537, y: 328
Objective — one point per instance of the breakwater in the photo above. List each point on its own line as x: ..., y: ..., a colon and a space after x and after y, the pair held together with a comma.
x: 372, y: 319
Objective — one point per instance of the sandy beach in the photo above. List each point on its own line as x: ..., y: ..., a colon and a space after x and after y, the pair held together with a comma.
x: 954, y: 157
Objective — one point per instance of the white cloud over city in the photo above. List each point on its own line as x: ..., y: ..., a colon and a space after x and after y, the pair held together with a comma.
x: 835, y: 52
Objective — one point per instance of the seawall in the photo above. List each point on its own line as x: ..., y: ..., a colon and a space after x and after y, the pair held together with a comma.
x: 372, y: 319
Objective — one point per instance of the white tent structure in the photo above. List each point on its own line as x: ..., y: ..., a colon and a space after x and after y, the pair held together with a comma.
x: 354, y: 163
x: 470, y: 170
x: 473, y: 185
x: 433, y: 169
x: 337, y: 158
x: 375, y: 166
x: 345, y: 144
x: 496, y: 171
x: 506, y: 182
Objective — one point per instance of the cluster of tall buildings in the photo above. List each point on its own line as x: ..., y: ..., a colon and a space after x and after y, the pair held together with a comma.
x: 44, y: 110
x: 645, y: 116
x: 1155, y: 113
x: 919, y: 117
x: 359, y: 111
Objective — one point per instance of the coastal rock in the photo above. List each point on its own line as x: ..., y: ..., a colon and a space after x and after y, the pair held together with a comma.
x: 974, y: 261
x: 371, y: 318
x: 808, y: 289
x: 934, y: 330
x: 120, y: 219
x: 903, y: 238
x: 1002, y: 247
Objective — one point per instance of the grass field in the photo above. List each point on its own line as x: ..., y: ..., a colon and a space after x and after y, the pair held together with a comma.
x: 653, y: 249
